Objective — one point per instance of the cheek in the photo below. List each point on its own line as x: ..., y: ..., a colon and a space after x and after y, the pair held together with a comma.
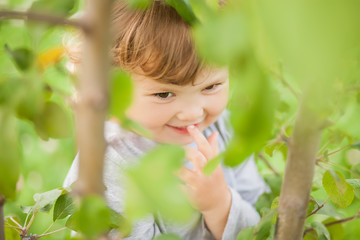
x: 218, y: 103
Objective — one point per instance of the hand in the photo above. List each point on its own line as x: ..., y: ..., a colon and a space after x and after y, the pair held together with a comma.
x: 210, y: 194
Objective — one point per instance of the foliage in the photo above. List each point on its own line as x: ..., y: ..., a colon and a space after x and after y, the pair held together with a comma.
x: 277, y: 54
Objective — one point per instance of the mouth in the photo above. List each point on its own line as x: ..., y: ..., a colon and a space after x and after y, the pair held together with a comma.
x: 182, y: 130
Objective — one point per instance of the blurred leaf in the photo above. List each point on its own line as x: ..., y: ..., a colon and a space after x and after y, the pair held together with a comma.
x: 246, y: 234
x: 264, y: 227
x: 139, y: 4
x: 121, y: 93
x: 64, y: 207
x: 211, y: 165
x: 8, y: 89
x: 321, y: 230
x: 223, y: 38
x: 11, y: 234
x: 22, y: 57
x: 252, y: 109
x: 50, y: 57
x: 10, y: 156
x: 135, y: 127
x: 356, y: 145
x: 57, y: 7
x: 53, y: 122
x: 184, y: 10
x: 119, y: 222
x: 44, y: 201
x: 340, y: 192
x: 355, y: 171
x: 152, y: 186
x: 168, y: 236
x: 32, y: 101
x: 311, y: 236
x: 311, y: 206
x: 93, y: 217
x: 204, y: 9
x: 336, y: 230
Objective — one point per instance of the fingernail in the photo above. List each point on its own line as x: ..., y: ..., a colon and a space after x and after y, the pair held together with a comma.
x: 191, y: 127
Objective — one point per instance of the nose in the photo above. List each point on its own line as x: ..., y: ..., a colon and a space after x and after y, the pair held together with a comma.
x: 191, y: 112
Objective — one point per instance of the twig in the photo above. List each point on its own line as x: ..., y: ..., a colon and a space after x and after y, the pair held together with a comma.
x: 2, y: 222
x: 333, y: 223
x: 286, y: 84
x: 52, y: 224
x: 34, y: 16
x: 318, y: 208
x: 45, y: 234
x: 14, y: 221
x: 333, y: 152
x: 31, y: 221
x: 268, y: 164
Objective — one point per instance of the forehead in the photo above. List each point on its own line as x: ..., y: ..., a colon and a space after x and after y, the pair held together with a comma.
x: 204, y: 78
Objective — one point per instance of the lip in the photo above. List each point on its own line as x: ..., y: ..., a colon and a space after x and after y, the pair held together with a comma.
x: 182, y: 130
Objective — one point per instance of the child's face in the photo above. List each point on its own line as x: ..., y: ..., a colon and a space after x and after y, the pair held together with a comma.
x: 166, y: 109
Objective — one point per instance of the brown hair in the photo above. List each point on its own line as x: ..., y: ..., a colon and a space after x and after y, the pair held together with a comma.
x: 155, y: 43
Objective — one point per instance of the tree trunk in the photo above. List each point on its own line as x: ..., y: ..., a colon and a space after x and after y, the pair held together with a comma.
x: 93, y: 98
x: 295, y: 192
x: 2, y: 222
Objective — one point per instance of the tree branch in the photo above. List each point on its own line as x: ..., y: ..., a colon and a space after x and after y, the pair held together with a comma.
x: 300, y: 164
x: 40, y: 17
x: 2, y: 222
x: 318, y: 208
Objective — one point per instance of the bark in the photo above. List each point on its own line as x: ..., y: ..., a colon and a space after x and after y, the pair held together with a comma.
x: 296, y: 188
x: 93, y: 98
x: 2, y: 222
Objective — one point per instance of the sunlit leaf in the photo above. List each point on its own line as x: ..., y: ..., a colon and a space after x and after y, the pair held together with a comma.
x: 50, y: 57
x: 93, y: 217
x: 336, y: 230
x: 10, y: 157
x: 44, y: 201
x: 246, y: 234
x: 53, y: 121
x: 121, y: 93
x: 58, y: 7
x: 149, y: 191
x: 211, y: 165
x: 139, y: 4
x: 356, y: 185
x: 340, y: 192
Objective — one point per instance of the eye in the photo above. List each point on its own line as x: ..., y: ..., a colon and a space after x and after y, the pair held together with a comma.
x: 164, y: 95
x: 212, y: 87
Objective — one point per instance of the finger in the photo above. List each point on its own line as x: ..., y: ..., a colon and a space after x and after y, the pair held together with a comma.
x: 213, y: 141
x: 186, y: 175
x: 201, y: 142
x: 195, y: 157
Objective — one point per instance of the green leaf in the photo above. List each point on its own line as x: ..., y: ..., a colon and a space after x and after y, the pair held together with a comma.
x: 139, y: 4
x: 63, y: 207
x: 57, y: 7
x: 340, y: 192
x: 135, y: 127
x: 44, y: 201
x: 184, y: 10
x: 355, y: 171
x: 264, y: 227
x: 93, y: 217
x: 152, y: 186
x: 53, y: 122
x: 121, y: 93
x: 211, y: 165
x: 168, y: 236
x: 22, y: 57
x: 10, y: 157
x: 321, y: 230
x: 336, y: 230
x: 246, y: 234
x: 356, y: 185
x: 11, y: 234
x: 8, y: 89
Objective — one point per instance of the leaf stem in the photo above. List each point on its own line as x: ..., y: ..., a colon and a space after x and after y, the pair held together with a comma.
x: 14, y: 227
x: 318, y: 208
x: 268, y: 164
x: 14, y: 221
x: 31, y: 220
x: 45, y: 234
x: 52, y: 224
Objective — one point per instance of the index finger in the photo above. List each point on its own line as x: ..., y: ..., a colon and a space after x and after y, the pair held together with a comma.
x: 202, y: 143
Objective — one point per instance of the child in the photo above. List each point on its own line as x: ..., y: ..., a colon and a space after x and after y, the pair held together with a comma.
x: 180, y: 101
